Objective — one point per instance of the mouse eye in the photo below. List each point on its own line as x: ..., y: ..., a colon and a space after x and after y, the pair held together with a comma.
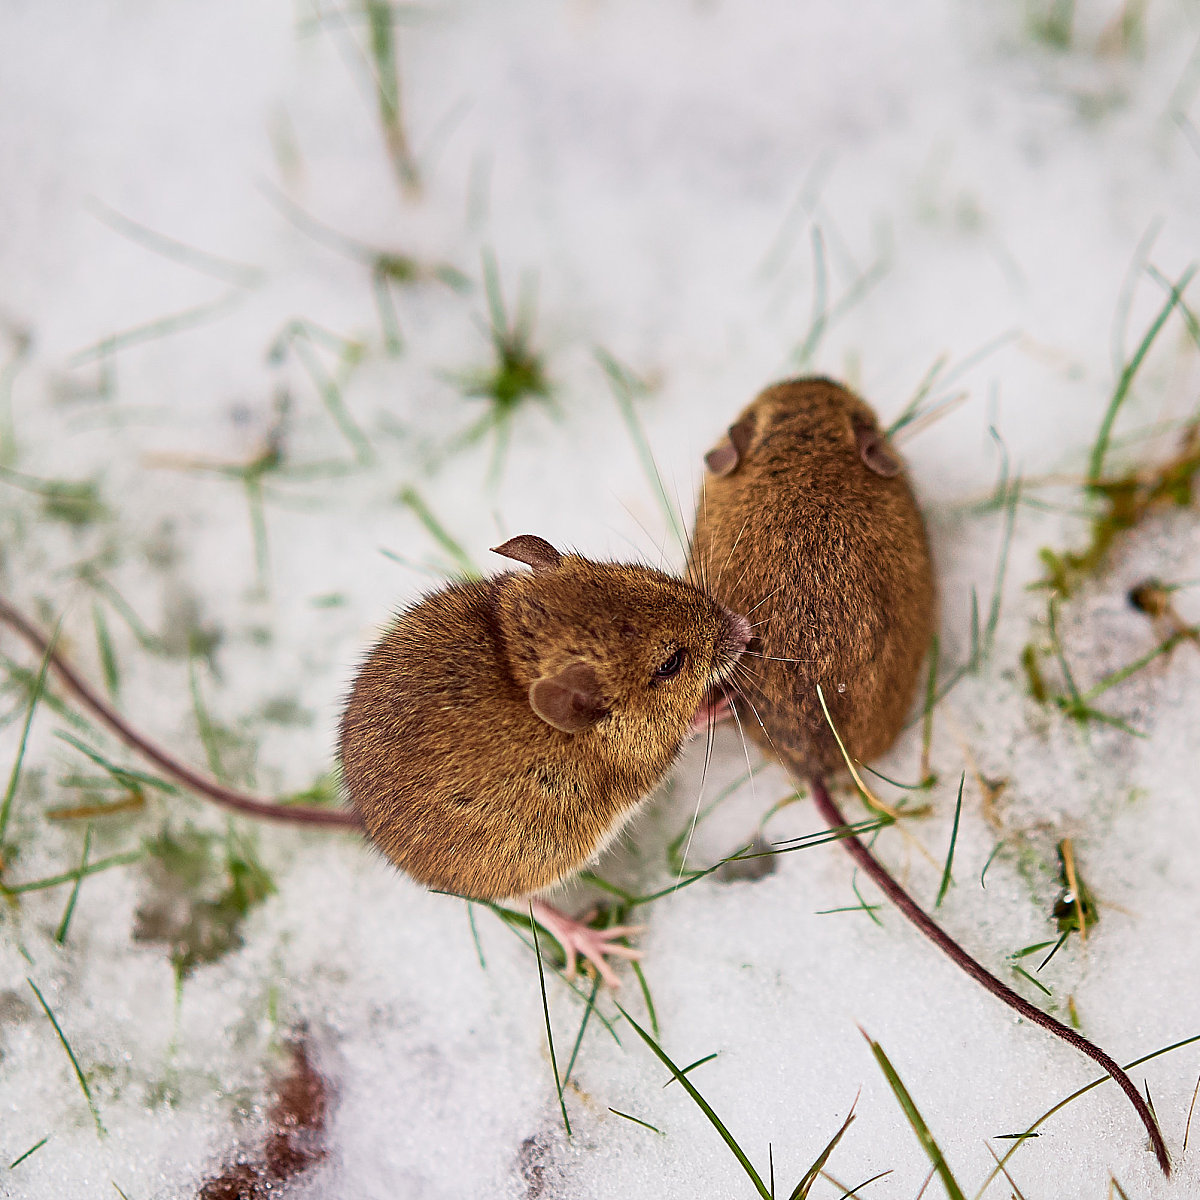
x: 672, y: 666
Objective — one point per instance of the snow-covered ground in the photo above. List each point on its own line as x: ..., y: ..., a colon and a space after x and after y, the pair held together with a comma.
x: 195, y: 201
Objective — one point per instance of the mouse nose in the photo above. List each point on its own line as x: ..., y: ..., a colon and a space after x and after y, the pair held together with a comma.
x: 740, y: 630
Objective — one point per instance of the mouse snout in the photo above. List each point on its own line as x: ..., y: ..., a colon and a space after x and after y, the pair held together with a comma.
x: 740, y: 631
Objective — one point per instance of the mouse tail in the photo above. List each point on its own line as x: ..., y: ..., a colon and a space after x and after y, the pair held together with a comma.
x: 832, y: 816
x: 170, y: 766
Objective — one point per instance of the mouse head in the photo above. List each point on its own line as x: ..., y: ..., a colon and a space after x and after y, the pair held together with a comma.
x: 613, y: 651
x: 800, y: 410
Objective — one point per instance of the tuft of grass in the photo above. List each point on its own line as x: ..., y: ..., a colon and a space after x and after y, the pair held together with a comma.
x: 62, y: 1037
x: 196, y: 903
x: 1075, y: 909
x: 919, y: 1127
x: 1079, y: 705
x: 71, y: 502
x: 517, y: 374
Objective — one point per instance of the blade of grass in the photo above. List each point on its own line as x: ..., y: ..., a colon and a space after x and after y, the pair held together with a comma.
x: 188, y: 318
x: 412, y: 500
x: 692, y: 1066
x: 60, y: 934
x: 475, y: 934
x: 62, y: 1037
x: 35, y: 696
x: 1187, y: 1129
x: 813, y: 1173
x: 924, y: 1136
x: 644, y: 1124
x: 946, y: 876
x: 108, y: 659
x: 587, y: 1013
x: 102, y: 864
x: 625, y: 385
x: 641, y: 978
x: 930, y: 700
x: 558, y: 1087
x: 125, y: 776
x: 1100, y: 447
x: 701, y: 1103
x: 16, y: 1162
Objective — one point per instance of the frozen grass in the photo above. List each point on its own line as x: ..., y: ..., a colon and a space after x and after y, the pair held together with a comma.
x: 269, y: 367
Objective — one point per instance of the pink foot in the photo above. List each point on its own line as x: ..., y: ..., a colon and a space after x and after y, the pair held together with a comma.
x: 576, y: 938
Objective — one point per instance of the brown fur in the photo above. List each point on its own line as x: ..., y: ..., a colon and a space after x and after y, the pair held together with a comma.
x: 807, y: 524
x: 458, y: 780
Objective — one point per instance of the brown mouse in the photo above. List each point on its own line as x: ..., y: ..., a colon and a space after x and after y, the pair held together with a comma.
x: 806, y: 518
x: 808, y: 525
x: 502, y: 731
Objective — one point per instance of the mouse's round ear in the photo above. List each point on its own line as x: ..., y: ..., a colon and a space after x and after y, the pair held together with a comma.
x: 569, y: 700
x: 532, y: 550
x: 727, y: 455
x: 873, y: 448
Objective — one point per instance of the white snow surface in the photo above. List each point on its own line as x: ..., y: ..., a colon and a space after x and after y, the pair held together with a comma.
x: 671, y: 182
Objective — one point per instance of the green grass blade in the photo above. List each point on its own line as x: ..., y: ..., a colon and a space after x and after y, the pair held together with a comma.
x: 692, y: 1066
x: 702, y: 1104
x: 83, y: 1083
x: 587, y: 1013
x: 814, y: 1172
x: 16, y: 1162
x: 60, y: 934
x: 616, y: 1112
x: 103, y: 864
x: 625, y: 385
x: 1100, y: 447
x: 946, y: 876
x: 411, y: 499
x: 35, y: 696
x: 537, y: 948
x: 924, y: 1136
x: 641, y: 978
x: 108, y: 659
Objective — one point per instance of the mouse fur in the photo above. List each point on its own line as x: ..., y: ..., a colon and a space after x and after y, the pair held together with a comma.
x: 503, y: 729
x: 808, y: 525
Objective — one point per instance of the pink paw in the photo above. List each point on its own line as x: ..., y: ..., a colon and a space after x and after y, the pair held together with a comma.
x: 580, y: 939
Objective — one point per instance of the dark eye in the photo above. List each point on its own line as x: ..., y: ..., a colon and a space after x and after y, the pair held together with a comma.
x: 672, y: 667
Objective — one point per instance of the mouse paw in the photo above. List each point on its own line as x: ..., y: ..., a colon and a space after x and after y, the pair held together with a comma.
x: 580, y: 939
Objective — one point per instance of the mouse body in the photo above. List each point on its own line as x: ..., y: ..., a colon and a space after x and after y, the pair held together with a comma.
x: 808, y: 525
x: 502, y: 730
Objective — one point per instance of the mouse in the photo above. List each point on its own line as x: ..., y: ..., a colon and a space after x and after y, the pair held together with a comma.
x: 502, y: 731
x: 807, y: 523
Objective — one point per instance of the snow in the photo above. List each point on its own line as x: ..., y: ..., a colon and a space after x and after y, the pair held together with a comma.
x: 660, y: 177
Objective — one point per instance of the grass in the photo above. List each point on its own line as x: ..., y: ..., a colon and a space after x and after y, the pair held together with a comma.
x: 516, y: 375
x: 16, y: 1162
x: 558, y: 1083
x: 79, y: 1075
x: 14, y: 776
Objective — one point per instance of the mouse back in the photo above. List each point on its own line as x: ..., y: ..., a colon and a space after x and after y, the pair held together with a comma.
x: 807, y: 523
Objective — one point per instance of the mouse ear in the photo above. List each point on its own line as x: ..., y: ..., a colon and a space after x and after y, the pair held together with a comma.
x: 726, y: 456
x: 532, y: 550
x: 570, y: 700
x: 874, y: 450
